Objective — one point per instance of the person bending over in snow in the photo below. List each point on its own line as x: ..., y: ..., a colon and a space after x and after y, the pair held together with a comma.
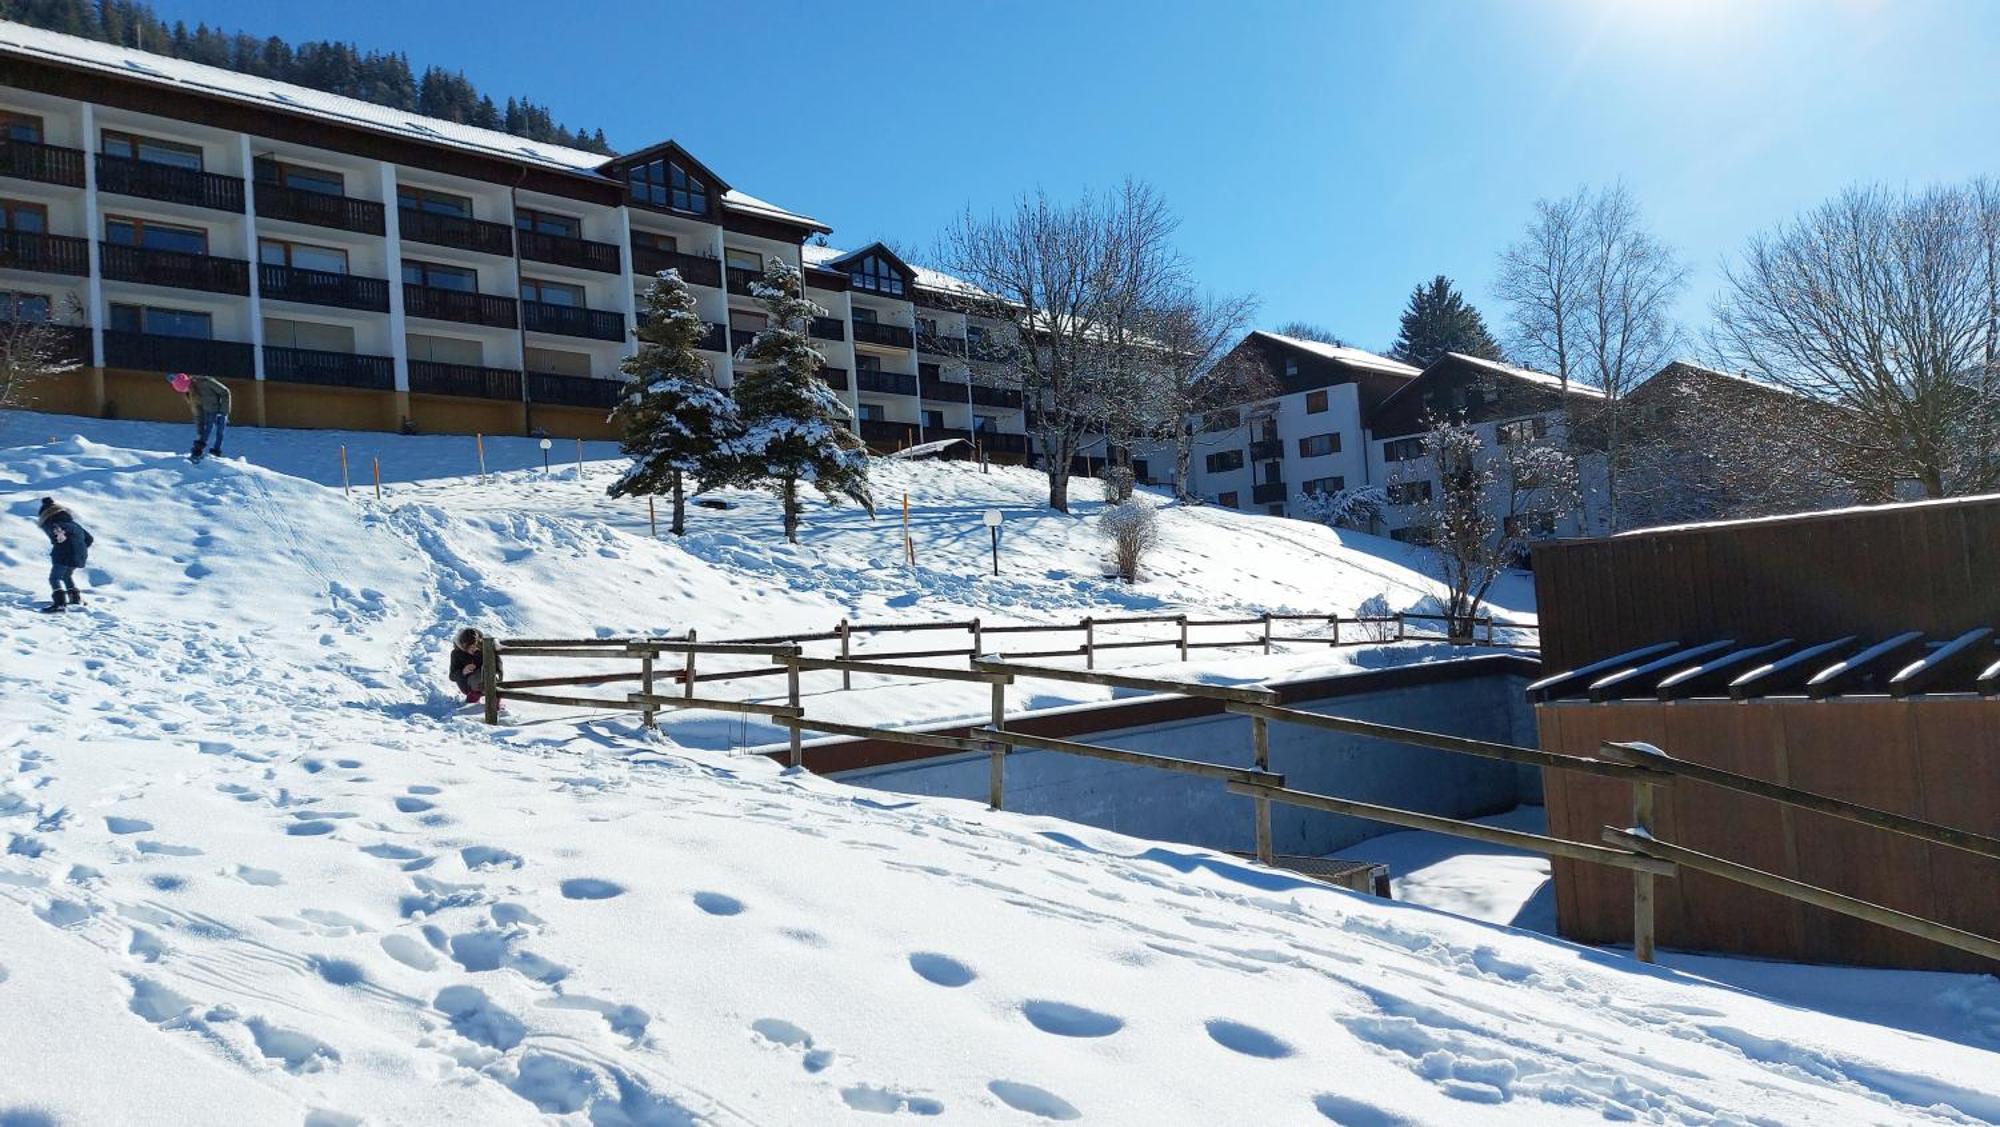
x: 69, y: 549
x: 465, y: 658
x: 208, y: 401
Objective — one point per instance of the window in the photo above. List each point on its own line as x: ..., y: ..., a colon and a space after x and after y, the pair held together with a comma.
x: 1224, y: 461
x: 1319, y: 445
x: 744, y: 260
x: 933, y: 420
x: 162, y: 322
x: 1402, y: 449
x: 437, y: 203
x: 151, y: 150
x: 18, y: 216
x: 281, y: 333
x: 1268, y: 430
x: 864, y: 315
x: 1411, y: 535
x: 653, y: 240
x: 990, y: 424
x: 866, y: 363
x: 551, y: 293
x: 301, y: 256
x: 1316, y: 402
x: 748, y: 320
x: 1139, y: 473
x: 927, y: 326
x: 462, y: 279
x: 1291, y: 367
x: 1226, y: 500
x: 664, y: 183
x: 33, y: 308
x: 1521, y: 430
x: 557, y: 363
x: 20, y: 127
x: 289, y: 175
x: 128, y: 232
x: 548, y: 223
x: 1409, y: 492
x: 1333, y: 484
x: 872, y: 412
x: 1274, y: 473
x: 444, y: 350
x: 876, y: 275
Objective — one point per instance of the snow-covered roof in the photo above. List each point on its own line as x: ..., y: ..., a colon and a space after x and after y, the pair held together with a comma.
x: 1813, y: 515
x: 107, y: 58
x: 1528, y: 374
x: 1354, y: 357
x: 1704, y: 369
x: 925, y: 276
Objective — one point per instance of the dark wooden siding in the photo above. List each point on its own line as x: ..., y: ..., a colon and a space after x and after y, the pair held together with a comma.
x: 1454, y: 387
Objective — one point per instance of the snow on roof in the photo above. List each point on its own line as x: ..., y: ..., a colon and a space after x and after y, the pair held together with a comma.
x: 1529, y: 375
x: 1815, y: 514
x: 1718, y: 373
x: 925, y: 276
x: 750, y: 205
x: 1340, y: 353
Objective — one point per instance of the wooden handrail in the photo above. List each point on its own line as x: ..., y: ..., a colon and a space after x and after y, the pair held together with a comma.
x: 1810, y: 894
x: 888, y: 735
x: 1125, y: 681
x: 887, y: 669
x: 1527, y: 756
x: 1137, y: 758
x: 754, y: 708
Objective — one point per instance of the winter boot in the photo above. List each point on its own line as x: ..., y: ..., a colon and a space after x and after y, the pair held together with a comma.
x: 56, y: 603
x: 75, y: 598
x: 194, y: 455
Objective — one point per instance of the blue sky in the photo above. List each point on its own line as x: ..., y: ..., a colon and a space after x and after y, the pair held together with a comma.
x: 1325, y: 156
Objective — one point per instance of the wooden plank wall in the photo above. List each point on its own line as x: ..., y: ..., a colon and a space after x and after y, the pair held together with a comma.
x: 1933, y: 566
x: 1937, y: 759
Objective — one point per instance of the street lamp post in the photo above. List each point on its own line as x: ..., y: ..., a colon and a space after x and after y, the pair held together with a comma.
x: 993, y: 527
x: 545, y: 456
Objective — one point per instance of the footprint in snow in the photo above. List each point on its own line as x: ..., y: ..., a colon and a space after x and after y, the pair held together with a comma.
x: 421, y: 789
x: 127, y: 825
x: 390, y: 852
x: 590, y: 888
x: 781, y: 1032
x: 718, y: 904
x: 263, y: 877
x: 1350, y: 1112
x: 298, y: 1052
x: 488, y: 857
x: 941, y: 970
x: 309, y: 829
x: 409, y: 952
x: 475, y: 1018
x: 626, y: 1021
x: 162, y: 849
x: 409, y: 804
x: 1065, y: 1020
x: 885, y: 1101
x: 1032, y: 1100
x: 1247, y: 1039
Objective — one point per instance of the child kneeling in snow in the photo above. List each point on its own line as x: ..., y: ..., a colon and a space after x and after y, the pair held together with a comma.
x: 69, y: 549
x: 465, y: 659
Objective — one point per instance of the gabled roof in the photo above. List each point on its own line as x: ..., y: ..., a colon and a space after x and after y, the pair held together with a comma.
x: 1528, y: 375
x: 832, y: 258
x: 1341, y: 354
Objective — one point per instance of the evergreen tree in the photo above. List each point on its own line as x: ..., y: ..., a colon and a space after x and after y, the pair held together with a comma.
x: 1438, y: 321
x: 677, y: 423
x: 795, y: 427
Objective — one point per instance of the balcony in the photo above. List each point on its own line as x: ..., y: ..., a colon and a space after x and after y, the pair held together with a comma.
x: 175, y: 268
x: 329, y: 369
x: 429, y: 377
x: 565, y: 251
x: 739, y: 339
x: 572, y: 320
x: 828, y: 328
x: 836, y: 378
x: 420, y: 226
x: 957, y: 391
x: 695, y: 270
x: 1267, y: 449
x: 50, y: 164
x: 574, y: 391
x: 889, y: 383
x: 153, y: 353
x: 988, y: 351
x: 939, y: 345
x: 875, y: 332
x: 125, y: 176
x: 45, y: 254
x: 319, y: 209
x: 1000, y: 442
x: 322, y: 287
x: 458, y: 305
x: 740, y: 278
x: 1268, y: 493
x: 882, y: 432
x: 716, y: 339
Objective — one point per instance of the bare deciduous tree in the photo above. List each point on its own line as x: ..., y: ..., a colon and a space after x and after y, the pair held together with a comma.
x: 32, y: 348
x: 1133, y: 531
x: 1198, y: 369
x: 1882, y: 303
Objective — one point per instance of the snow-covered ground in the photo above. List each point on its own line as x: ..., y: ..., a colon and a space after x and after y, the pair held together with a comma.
x: 259, y: 868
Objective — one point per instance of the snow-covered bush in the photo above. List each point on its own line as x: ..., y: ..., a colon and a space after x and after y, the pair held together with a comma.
x: 1345, y: 508
x: 1133, y: 530
x: 1376, y: 607
x: 1117, y: 481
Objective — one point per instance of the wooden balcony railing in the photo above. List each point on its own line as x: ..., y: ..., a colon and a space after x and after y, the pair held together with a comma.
x: 125, y: 176
x: 430, y: 377
x: 875, y: 332
x: 45, y: 254
x: 573, y: 320
x: 741, y: 277
x: 565, y: 251
x: 882, y: 432
x: 890, y: 383
x: 828, y: 328
x: 50, y: 164
x: 421, y: 226
x: 320, y: 209
x: 322, y: 287
x: 155, y: 353
x: 574, y: 391
x: 329, y: 369
x: 1267, y: 449
x: 836, y: 378
x: 1268, y: 492
x: 175, y: 268
x: 716, y: 339
x: 939, y: 345
x: 458, y: 305
x: 695, y: 270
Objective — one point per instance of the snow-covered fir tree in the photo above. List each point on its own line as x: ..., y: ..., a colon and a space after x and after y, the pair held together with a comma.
x: 677, y: 423
x: 795, y: 427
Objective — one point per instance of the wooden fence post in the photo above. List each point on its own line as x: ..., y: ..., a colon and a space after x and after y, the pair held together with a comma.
x: 1335, y: 619
x: 650, y: 715
x: 376, y: 463
x: 1260, y: 742
x: 1089, y: 643
x: 479, y: 444
x: 978, y: 643
x: 996, y: 780
x: 489, y: 677
x: 1267, y: 631
x: 687, y: 677
x: 1184, y: 648
x: 345, y: 489
x: 792, y: 698
x: 846, y: 677
x: 1642, y: 883
x: 1399, y: 626
x: 652, y: 517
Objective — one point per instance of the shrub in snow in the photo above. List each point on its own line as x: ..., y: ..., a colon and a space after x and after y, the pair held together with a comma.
x: 1133, y: 530
x: 1376, y: 607
x: 794, y: 426
x: 1345, y: 508
x: 1117, y: 481
x: 677, y: 424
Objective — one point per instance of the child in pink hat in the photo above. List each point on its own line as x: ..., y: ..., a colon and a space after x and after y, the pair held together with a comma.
x: 208, y: 402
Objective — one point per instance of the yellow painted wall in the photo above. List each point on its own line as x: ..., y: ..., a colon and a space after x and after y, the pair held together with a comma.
x: 451, y: 414
x: 575, y: 422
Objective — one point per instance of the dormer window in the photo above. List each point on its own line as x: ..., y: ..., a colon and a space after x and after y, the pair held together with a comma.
x: 876, y: 274
x: 665, y: 183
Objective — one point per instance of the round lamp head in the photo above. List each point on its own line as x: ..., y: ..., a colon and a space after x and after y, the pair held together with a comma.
x: 546, y: 444
x: 993, y: 518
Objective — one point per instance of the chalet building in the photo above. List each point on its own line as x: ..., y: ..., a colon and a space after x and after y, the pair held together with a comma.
x: 343, y: 264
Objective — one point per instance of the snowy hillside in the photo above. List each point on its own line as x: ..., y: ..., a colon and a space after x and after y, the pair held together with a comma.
x: 259, y: 869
